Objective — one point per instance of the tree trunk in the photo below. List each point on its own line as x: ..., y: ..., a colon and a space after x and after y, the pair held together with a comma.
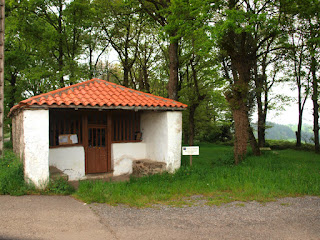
x: 60, y: 57
x: 192, y: 110
x: 91, y: 75
x: 126, y: 71
x: 13, y: 82
x: 241, y: 124
x: 315, y: 105
x: 259, y: 82
x: 298, y: 132
x: 146, y: 79
x: 13, y: 90
x: 174, y: 67
x: 253, y: 142
x: 261, y: 127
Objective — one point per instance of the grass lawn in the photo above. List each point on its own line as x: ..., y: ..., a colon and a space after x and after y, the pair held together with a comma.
x: 213, y: 176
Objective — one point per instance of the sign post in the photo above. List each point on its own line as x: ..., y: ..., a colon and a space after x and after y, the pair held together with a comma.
x: 192, y: 150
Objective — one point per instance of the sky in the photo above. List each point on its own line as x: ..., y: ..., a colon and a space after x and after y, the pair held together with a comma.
x: 290, y: 114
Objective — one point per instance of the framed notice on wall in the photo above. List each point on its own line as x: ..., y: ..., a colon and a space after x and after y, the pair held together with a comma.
x: 65, y: 139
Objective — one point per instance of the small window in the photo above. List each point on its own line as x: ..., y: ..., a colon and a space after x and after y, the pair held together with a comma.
x: 65, y: 128
x: 126, y: 126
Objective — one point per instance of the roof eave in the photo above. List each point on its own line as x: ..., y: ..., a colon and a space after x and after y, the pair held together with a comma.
x: 76, y: 107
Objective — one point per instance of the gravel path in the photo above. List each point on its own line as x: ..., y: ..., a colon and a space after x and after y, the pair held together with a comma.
x: 288, y: 218
x: 58, y: 217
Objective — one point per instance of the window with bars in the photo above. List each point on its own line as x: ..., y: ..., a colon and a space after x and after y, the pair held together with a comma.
x: 126, y: 126
x: 64, y: 126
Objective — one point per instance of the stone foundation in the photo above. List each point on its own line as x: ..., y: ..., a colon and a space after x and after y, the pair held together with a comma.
x: 147, y: 167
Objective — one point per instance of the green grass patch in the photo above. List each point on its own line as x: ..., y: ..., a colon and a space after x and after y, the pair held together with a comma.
x: 12, y: 179
x: 213, y: 176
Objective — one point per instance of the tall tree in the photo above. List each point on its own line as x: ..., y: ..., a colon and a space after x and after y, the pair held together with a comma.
x: 122, y: 27
x: 161, y: 12
x: 55, y: 31
x: 242, y: 29
x: 305, y: 14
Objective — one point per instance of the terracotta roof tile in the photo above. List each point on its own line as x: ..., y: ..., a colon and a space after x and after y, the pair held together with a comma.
x: 96, y: 92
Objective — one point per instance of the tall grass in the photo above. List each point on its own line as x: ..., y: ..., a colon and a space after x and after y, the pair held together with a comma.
x: 12, y: 179
x: 11, y: 175
x: 213, y: 175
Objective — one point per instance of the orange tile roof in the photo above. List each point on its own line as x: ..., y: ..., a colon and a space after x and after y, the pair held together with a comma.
x: 99, y: 93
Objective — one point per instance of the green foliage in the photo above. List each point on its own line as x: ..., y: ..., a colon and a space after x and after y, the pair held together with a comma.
x: 11, y: 175
x: 275, y: 174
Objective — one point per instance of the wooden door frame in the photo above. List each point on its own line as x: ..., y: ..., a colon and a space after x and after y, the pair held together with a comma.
x: 85, y: 138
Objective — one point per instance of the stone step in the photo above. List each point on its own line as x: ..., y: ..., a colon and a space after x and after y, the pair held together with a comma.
x: 145, y: 167
x: 56, y: 173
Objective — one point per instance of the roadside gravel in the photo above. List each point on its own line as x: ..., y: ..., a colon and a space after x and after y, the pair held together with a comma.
x: 287, y: 218
x: 60, y: 217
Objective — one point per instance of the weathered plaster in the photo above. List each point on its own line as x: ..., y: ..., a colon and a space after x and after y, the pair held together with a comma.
x: 70, y: 160
x: 36, y: 146
x: 174, y: 123
x: 155, y: 135
x: 162, y: 133
x: 122, y: 155
x: 17, y: 134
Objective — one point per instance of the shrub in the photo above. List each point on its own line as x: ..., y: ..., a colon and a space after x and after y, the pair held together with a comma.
x: 8, y: 145
x: 283, y: 144
x: 11, y: 175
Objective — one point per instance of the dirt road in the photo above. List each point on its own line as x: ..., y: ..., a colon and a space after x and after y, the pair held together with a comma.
x: 52, y: 217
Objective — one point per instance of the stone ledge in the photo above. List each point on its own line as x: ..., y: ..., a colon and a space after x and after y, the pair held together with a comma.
x: 145, y: 167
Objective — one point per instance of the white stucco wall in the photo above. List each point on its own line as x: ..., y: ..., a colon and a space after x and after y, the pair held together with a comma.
x: 162, y: 133
x: 70, y: 160
x: 174, y: 121
x: 161, y: 141
x: 36, y: 146
x: 122, y: 155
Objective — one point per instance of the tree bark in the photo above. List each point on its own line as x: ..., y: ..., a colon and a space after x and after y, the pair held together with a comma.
x: 315, y: 105
x: 241, y: 124
x: 174, y: 67
x: 237, y: 100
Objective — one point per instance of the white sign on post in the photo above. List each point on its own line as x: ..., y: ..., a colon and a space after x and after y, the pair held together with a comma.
x: 194, y: 150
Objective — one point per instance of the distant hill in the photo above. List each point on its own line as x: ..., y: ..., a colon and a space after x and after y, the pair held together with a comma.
x: 287, y: 132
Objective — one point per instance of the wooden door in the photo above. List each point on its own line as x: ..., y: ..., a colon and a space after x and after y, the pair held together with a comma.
x: 97, y: 141
x: 97, y: 151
